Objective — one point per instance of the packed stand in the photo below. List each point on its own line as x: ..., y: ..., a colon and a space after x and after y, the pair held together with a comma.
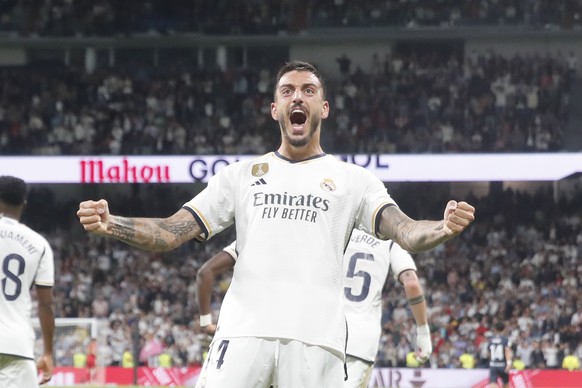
x: 447, y: 13
x: 106, y: 18
x: 516, y: 264
x: 121, y: 18
x: 411, y: 103
x: 404, y: 103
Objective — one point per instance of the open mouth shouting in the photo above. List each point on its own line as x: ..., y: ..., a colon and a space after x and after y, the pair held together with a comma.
x: 298, y: 118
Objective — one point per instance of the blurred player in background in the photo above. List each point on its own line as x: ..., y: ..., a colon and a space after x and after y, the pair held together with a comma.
x: 26, y: 259
x: 218, y: 264
x: 282, y: 319
x: 367, y: 263
x: 500, y: 357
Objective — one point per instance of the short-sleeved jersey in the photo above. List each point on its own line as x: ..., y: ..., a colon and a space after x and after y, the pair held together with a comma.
x: 293, y: 221
x: 497, y: 344
x: 367, y: 262
x: 231, y: 250
x: 26, y: 258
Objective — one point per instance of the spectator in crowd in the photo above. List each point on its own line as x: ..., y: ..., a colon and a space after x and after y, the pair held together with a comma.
x: 537, y: 357
x: 571, y: 362
x: 467, y: 361
x: 127, y: 359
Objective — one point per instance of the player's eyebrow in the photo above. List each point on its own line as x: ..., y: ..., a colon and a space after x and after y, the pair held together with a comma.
x: 303, y: 86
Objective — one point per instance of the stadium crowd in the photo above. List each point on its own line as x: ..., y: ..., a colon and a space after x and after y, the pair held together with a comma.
x: 520, y: 263
x: 405, y: 103
x: 109, y: 17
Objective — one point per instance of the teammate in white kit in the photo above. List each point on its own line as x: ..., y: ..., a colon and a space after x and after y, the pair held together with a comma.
x: 26, y: 259
x: 367, y: 263
x: 282, y: 320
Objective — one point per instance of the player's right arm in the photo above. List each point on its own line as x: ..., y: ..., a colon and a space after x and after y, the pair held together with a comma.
x: 152, y: 234
x: 46, y: 317
x: 220, y: 263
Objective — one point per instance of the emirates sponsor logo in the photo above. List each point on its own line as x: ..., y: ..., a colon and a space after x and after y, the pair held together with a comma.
x: 96, y: 171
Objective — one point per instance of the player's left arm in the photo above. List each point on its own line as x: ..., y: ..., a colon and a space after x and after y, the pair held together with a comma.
x: 220, y: 263
x: 415, y: 295
x: 418, y: 236
x: 46, y: 316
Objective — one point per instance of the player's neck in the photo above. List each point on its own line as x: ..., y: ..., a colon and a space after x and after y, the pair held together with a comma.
x: 10, y: 215
x: 13, y: 212
x: 300, y: 153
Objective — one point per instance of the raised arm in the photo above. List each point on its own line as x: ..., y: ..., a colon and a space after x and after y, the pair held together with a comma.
x: 417, y: 303
x: 418, y: 236
x: 46, y: 317
x: 216, y: 265
x: 152, y: 234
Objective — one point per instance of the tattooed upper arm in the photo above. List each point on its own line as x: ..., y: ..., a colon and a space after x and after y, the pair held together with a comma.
x: 393, y: 223
x: 182, y: 225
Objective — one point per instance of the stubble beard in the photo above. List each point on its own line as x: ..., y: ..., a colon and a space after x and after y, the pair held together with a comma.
x: 298, y: 141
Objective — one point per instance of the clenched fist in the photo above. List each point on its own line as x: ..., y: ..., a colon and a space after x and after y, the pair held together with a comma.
x: 457, y: 217
x: 94, y: 216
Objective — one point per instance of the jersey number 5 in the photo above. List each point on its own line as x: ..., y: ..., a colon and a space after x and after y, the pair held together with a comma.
x: 352, y: 273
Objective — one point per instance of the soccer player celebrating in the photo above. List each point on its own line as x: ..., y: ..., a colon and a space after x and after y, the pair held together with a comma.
x: 282, y: 319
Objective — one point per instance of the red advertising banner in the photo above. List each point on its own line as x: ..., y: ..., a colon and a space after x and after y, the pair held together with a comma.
x: 114, y: 376
x: 380, y: 378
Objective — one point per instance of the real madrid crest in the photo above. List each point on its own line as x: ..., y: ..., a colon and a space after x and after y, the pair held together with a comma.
x: 260, y: 169
x: 328, y: 185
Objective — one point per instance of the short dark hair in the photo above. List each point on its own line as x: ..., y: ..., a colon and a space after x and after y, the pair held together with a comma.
x: 299, y: 66
x: 499, y: 326
x: 13, y: 190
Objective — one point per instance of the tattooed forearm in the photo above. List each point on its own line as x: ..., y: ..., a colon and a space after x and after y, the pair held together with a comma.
x: 152, y: 234
x: 123, y: 229
x: 414, y: 236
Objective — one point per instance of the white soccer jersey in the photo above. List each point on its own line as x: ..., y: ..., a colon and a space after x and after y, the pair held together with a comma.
x: 367, y: 262
x: 293, y: 220
x: 231, y: 250
x: 26, y: 258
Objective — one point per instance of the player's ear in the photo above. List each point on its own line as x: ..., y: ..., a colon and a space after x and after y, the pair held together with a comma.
x: 325, y: 110
x: 274, y: 111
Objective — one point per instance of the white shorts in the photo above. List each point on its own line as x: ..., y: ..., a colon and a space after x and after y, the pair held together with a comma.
x: 359, y: 372
x: 17, y: 372
x: 249, y: 362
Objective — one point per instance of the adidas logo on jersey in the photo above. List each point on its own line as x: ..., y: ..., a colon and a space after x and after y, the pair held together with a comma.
x: 259, y: 182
